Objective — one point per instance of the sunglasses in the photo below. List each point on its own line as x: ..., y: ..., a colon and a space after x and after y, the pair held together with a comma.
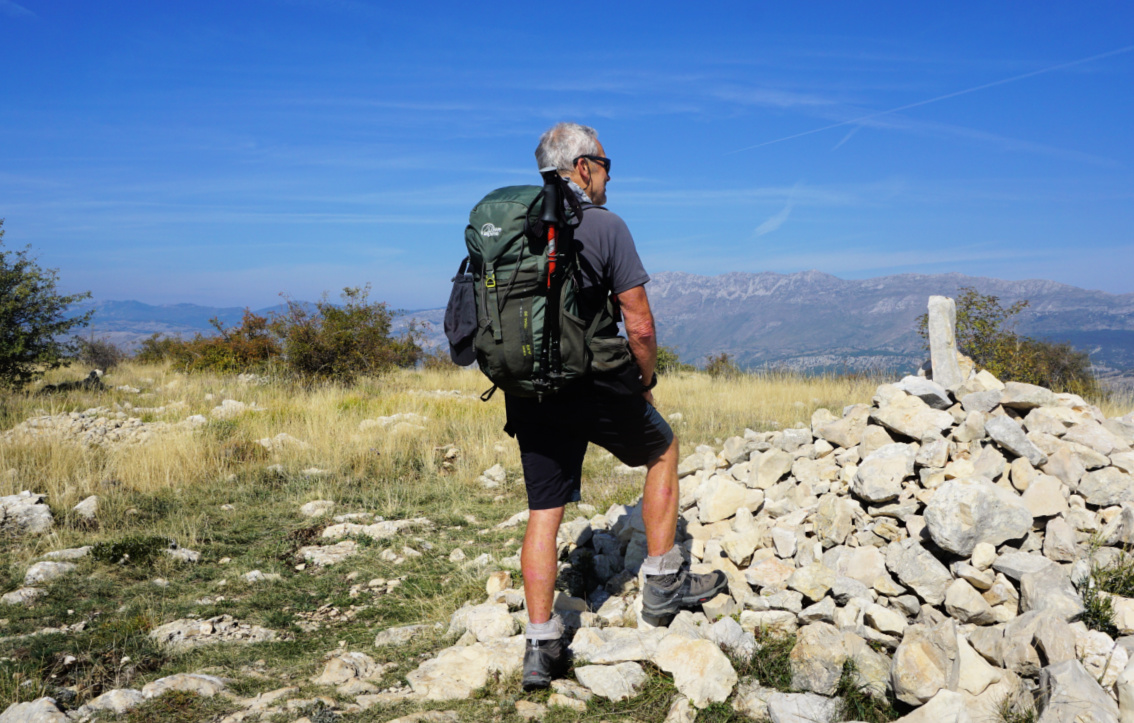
x: 601, y: 160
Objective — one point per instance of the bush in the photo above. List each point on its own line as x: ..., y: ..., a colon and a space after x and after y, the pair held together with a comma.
x: 157, y: 348
x: 100, y: 353
x: 669, y: 361
x: 437, y: 358
x: 33, y: 328
x: 722, y: 365
x: 985, y: 334
x: 342, y: 342
x: 250, y: 346
x: 324, y: 342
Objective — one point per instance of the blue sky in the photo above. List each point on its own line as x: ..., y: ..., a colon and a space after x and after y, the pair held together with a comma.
x: 225, y: 152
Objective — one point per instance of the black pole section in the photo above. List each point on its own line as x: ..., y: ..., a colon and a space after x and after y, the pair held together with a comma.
x: 553, y: 217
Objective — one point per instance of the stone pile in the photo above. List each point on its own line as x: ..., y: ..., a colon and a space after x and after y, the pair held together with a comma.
x: 99, y: 426
x: 938, y: 538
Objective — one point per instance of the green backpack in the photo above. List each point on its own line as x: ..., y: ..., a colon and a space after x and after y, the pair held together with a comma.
x: 531, y: 338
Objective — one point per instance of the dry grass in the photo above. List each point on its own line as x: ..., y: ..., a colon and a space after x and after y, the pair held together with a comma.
x: 326, y: 419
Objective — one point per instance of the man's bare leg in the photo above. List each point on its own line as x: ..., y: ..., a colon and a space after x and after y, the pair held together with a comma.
x: 539, y: 561
x: 669, y: 587
x: 659, y: 502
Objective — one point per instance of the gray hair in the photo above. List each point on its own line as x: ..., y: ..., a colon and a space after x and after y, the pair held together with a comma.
x: 563, y: 143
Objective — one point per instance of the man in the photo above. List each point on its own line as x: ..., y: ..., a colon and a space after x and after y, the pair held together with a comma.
x: 614, y: 411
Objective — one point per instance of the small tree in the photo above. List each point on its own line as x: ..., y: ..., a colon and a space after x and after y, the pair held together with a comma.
x: 669, y: 361
x: 33, y: 325
x: 100, y: 353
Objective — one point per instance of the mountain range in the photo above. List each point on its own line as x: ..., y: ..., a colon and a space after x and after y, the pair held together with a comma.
x: 808, y: 321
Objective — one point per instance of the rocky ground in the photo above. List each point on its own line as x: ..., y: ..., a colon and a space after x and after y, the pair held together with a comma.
x: 933, y: 555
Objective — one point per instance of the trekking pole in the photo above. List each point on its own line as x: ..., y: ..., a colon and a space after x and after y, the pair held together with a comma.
x: 552, y: 212
x: 551, y: 362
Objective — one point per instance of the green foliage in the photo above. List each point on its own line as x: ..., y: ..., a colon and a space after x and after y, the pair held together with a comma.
x: 32, y: 322
x: 179, y: 706
x: 342, y: 342
x: 437, y: 358
x: 158, y: 348
x: 1016, y: 709
x: 669, y: 362
x: 250, y: 346
x: 331, y: 342
x: 985, y: 334
x: 858, y: 701
x: 133, y: 550
x: 100, y: 353
x: 1115, y: 578
x: 771, y: 663
x: 722, y: 365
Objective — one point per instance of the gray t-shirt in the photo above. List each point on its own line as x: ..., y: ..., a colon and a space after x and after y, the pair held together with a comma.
x: 608, y: 259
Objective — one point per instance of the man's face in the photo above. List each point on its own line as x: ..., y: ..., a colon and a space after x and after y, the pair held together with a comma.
x: 598, y: 177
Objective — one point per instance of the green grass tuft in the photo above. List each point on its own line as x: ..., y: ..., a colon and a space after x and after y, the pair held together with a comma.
x: 859, y: 702
x: 1016, y: 709
x: 771, y: 663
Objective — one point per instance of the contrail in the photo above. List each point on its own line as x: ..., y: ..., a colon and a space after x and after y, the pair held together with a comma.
x: 954, y: 94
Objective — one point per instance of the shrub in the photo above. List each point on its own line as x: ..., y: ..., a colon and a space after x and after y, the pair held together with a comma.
x: 985, y: 334
x: 100, y: 353
x: 157, y: 348
x: 722, y: 365
x: 669, y: 361
x: 324, y: 342
x: 249, y: 346
x: 33, y: 328
x: 342, y: 342
x: 437, y: 358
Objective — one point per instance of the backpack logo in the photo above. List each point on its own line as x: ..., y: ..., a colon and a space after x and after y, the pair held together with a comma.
x: 488, y: 230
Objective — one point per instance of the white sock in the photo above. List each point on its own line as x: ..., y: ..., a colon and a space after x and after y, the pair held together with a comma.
x: 551, y: 630
x: 667, y: 564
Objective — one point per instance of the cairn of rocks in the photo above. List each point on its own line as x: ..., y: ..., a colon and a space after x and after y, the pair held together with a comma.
x: 936, y: 537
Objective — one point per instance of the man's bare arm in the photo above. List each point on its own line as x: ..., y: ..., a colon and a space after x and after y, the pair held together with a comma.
x: 640, y: 329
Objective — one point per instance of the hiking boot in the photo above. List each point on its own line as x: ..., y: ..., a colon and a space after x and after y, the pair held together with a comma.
x: 664, y: 595
x: 543, y: 660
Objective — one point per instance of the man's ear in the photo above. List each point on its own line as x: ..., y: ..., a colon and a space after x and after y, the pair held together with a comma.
x: 584, y: 172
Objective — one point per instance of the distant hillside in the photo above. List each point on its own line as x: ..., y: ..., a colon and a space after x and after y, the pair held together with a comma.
x: 808, y: 321
x: 812, y: 321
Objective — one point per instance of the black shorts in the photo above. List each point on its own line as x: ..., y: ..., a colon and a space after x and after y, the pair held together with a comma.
x: 553, y: 436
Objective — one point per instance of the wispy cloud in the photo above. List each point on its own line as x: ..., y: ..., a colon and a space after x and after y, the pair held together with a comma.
x: 779, y: 218
x: 15, y: 9
x: 773, y: 97
x: 846, y: 138
x: 946, y: 96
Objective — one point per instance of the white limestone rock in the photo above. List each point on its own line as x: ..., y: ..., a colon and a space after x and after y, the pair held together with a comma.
x: 205, y: 686
x: 41, y: 710
x: 879, y: 477
x: 25, y: 514
x: 487, y: 621
x: 614, y: 682
x: 317, y: 508
x: 917, y: 568
x: 43, y: 573
x: 968, y: 511
x: 700, y: 671
x: 1072, y: 694
x: 458, y: 671
x: 912, y: 417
